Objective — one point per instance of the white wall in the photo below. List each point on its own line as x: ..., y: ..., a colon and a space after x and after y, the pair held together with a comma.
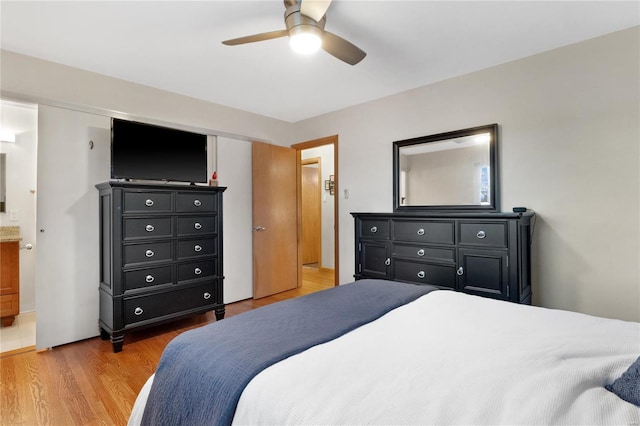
x: 21, y: 184
x: 325, y: 152
x: 569, y: 132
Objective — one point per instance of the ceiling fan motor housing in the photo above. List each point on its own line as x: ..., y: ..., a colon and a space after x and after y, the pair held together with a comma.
x: 297, y: 22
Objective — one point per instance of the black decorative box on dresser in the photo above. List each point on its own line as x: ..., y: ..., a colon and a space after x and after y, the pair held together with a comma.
x: 486, y: 254
x: 161, y: 255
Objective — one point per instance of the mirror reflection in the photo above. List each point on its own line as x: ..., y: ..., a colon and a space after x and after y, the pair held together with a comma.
x: 449, y: 171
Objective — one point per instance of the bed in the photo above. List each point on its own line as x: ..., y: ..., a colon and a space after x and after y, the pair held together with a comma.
x: 383, y: 352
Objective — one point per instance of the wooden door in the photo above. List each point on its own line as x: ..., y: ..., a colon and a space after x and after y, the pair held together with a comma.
x: 275, y: 215
x: 311, y: 216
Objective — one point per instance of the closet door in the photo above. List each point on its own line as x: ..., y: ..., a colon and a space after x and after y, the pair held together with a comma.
x: 67, y: 266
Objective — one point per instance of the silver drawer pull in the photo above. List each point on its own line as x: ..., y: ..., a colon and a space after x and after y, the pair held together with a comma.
x: 421, y: 252
x: 197, y: 248
x: 197, y: 225
x: 149, y: 228
x: 206, y: 296
x: 149, y: 253
x: 138, y: 311
x: 420, y: 231
x: 374, y: 229
x: 149, y: 278
x: 481, y: 234
x: 421, y: 274
x: 387, y: 262
x: 460, y: 271
x: 197, y: 271
x: 197, y: 203
x: 148, y: 202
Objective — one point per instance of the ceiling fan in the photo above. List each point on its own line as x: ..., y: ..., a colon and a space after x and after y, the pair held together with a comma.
x: 304, y: 21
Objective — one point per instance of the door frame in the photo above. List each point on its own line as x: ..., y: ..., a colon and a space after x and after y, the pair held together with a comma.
x: 299, y: 147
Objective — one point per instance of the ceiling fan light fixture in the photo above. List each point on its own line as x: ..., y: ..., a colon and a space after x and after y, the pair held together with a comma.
x: 305, y: 39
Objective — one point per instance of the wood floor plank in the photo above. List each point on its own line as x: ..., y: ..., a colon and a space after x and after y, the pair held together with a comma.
x: 9, y: 393
x: 85, y: 383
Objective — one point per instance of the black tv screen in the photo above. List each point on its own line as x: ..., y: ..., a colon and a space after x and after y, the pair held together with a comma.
x: 146, y: 152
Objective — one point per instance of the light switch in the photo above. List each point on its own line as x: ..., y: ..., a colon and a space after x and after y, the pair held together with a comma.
x: 13, y: 215
x: 346, y: 194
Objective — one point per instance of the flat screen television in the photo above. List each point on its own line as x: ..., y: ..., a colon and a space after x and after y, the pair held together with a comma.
x: 147, y: 152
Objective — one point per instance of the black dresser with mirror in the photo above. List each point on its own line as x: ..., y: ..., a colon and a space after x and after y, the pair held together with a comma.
x: 446, y: 229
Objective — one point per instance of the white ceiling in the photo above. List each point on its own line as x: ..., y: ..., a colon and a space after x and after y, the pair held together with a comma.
x: 176, y: 46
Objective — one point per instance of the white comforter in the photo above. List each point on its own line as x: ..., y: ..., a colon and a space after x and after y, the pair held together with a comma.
x: 451, y: 358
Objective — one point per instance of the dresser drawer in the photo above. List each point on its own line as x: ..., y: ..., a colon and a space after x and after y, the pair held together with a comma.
x: 196, y: 225
x: 147, y: 202
x: 424, y: 252
x: 423, y: 231
x: 147, y: 277
x: 483, y: 234
x: 152, y: 227
x: 194, y: 202
x: 141, y: 308
x: 147, y: 252
x: 197, y: 270
x: 372, y: 228
x: 196, y: 248
x: 425, y: 273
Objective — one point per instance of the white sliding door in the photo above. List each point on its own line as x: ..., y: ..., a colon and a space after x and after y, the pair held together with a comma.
x: 234, y: 172
x: 67, y: 266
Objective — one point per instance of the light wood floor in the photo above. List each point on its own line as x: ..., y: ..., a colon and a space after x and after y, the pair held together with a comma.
x: 85, y: 383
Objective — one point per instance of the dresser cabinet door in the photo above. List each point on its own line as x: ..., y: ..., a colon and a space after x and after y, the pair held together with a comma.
x: 374, y: 260
x: 484, y: 273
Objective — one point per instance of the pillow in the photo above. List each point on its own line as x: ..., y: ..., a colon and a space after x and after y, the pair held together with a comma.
x: 627, y: 386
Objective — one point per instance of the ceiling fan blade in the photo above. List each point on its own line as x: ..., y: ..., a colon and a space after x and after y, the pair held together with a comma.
x: 314, y: 9
x: 256, y: 37
x: 342, y: 49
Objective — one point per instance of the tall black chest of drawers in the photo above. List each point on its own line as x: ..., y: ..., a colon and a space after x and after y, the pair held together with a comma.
x: 161, y: 255
x: 486, y: 254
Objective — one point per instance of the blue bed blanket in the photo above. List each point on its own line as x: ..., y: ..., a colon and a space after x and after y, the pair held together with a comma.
x: 203, y: 372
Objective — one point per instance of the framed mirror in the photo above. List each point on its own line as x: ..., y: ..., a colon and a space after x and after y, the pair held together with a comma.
x: 452, y: 171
